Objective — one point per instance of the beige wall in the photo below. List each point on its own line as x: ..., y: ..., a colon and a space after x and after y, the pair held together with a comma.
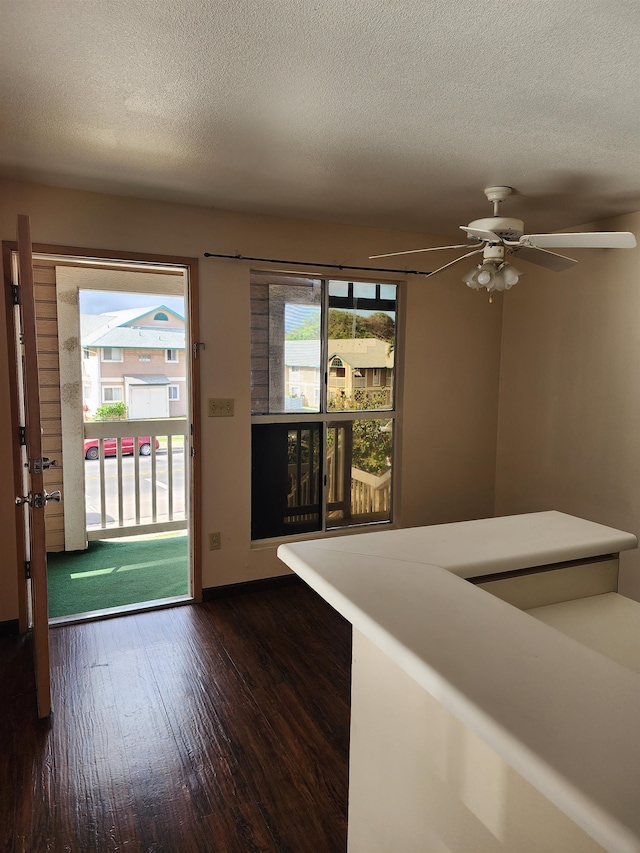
x: 452, y: 339
x: 569, y: 416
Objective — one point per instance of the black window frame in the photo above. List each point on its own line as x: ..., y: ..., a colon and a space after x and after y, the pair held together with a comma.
x: 267, y: 510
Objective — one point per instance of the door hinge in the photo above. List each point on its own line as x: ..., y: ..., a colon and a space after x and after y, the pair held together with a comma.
x: 15, y: 294
x: 22, y: 436
x: 193, y: 452
x: 27, y: 569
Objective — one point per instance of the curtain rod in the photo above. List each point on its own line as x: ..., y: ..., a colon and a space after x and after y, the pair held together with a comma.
x: 309, y: 264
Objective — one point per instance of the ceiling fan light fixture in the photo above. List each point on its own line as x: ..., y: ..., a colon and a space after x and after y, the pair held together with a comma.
x: 497, y: 236
x: 510, y: 275
x: 471, y: 279
x: 480, y: 276
x: 486, y: 276
x: 491, y: 277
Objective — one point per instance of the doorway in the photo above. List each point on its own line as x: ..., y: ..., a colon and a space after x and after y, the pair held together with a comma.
x: 127, y: 472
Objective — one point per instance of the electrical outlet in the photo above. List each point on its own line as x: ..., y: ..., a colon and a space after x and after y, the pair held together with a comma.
x: 220, y: 407
x: 214, y: 541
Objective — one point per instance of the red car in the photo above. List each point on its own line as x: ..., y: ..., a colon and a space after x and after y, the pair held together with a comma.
x: 92, y: 449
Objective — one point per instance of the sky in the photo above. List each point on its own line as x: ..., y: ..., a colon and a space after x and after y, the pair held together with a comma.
x: 103, y: 301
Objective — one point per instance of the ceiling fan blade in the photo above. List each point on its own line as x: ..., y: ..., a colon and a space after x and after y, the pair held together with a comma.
x: 584, y: 240
x: 413, y: 251
x: 481, y: 234
x: 544, y: 258
x: 451, y: 263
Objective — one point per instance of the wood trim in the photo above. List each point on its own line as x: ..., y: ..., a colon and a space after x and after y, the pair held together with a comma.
x: 194, y: 414
x: 107, y: 255
x: 21, y: 548
x: 211, y: 593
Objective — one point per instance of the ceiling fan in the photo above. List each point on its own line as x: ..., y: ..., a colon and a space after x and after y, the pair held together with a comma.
x: 499, y: 237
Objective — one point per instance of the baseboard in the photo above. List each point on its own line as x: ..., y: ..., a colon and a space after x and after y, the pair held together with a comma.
x: 262, y: 585
x: 9, y: 628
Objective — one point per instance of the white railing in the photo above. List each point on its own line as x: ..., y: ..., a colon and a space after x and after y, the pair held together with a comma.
x: 144, y: 494
x: 368, y: 497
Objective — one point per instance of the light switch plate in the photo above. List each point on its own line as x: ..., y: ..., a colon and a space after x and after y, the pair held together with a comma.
x: 220, y: 407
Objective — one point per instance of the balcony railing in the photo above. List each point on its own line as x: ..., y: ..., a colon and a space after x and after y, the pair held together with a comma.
x: 141, y: 494
x: 353, y: 496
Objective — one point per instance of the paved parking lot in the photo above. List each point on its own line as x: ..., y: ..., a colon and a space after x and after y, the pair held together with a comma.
x: 92, y: 488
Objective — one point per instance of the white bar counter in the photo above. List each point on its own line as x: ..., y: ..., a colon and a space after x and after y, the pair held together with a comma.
x: 475, y: 726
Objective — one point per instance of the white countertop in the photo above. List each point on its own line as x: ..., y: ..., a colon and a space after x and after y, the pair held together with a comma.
x: 564, y: 716
x: 489, y: 545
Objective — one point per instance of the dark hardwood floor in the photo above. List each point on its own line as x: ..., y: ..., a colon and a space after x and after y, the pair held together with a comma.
x: 214, y: 727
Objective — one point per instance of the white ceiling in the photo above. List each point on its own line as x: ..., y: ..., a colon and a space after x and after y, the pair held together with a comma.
x: 392, y: 113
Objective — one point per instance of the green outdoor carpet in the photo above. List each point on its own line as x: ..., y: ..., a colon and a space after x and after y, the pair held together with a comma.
x: 113, y: 573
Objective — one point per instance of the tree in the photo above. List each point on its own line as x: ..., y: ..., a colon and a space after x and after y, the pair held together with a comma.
x: 344, y: 325
x: 371, y: 447
x: 308, y: 330
x: 381, y: 326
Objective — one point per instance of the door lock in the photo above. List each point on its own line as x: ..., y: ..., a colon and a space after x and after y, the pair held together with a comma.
x: 38, y: 500
x: 37, y: 466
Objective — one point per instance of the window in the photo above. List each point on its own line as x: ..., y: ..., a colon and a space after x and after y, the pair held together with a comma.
x: 112, y: 394
x: 174, y: 392
x: 161, y: 316
x: 86, y: 354
x: 144, y: 356
x: 111, y: 354
x: 322, y: 436
x: 171, y: 355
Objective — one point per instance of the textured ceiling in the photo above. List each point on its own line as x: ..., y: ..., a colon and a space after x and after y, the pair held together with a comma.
x: 394, y: 114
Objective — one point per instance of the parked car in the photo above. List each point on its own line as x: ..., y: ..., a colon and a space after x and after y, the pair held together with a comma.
x: 92, y: 449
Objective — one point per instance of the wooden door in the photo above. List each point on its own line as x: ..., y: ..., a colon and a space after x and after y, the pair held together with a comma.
x: 33, y: 497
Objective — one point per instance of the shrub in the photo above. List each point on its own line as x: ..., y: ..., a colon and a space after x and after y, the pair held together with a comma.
x: 111, y: 411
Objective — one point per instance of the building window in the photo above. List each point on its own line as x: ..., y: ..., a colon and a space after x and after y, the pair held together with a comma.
x: 161, y: 316
x: 171, y: 355
x: 86, y: 354
x: 86, y: 391
x: 174, y: 393
x: 144, y: 356
x: 112, y: 394
x: 111, y: 354
x: 322, y: 442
